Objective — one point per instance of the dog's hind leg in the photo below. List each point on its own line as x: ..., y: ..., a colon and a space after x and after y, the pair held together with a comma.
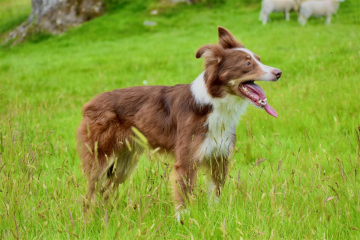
x: 93, y: 181
x: 121, y: 166
x: 89, y: 197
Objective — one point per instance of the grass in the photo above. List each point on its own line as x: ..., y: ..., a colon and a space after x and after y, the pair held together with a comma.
x: 12, y: 14
x: 306, y: 188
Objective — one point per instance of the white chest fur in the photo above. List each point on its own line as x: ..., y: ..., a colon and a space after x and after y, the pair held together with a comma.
x: 221, y: 121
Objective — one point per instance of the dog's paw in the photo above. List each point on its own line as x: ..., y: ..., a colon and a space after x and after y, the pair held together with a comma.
x: 213, y: 199
x: 180, y: 214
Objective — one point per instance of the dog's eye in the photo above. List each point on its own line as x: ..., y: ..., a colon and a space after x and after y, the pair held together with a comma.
x: 247, y: 64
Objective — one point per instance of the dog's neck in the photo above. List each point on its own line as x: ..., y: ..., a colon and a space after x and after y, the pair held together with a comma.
x: 221, y: 122
x: 200, y: 92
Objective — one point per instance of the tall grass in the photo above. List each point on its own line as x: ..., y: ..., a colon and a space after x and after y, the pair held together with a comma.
x: 295, y: 177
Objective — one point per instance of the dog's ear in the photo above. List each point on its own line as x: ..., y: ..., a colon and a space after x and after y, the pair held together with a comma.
x: 227, y: 40
x: 210, y: 53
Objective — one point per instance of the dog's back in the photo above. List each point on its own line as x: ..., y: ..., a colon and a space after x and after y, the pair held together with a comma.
x: 105, y: 133
x: 193, y: 122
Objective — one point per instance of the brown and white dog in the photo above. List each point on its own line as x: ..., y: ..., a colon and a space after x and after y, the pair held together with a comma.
x: 194, y: 122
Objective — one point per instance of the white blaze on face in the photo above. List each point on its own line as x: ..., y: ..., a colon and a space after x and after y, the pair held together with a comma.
x: 267, y: 70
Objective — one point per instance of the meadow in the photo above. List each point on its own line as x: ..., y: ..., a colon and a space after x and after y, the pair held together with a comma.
x: 294, y: 177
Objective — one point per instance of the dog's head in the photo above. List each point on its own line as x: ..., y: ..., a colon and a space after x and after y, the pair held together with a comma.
x: 232, y: 69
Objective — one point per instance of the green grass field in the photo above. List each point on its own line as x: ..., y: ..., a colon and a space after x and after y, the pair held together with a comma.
x: 307, y: 188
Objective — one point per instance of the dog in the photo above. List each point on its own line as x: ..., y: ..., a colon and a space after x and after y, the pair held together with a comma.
x: 193, y: 122
x: 269, y: 6
x: 318, y: 8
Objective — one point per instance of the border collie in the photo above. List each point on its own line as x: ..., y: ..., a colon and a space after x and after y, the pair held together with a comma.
x: 194, y: 122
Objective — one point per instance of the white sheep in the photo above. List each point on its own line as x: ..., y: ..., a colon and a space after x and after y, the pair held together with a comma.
x: 318, y: 8
x: 269, y: 6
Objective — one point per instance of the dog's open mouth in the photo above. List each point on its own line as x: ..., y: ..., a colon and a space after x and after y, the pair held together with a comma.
x: 256, y: 96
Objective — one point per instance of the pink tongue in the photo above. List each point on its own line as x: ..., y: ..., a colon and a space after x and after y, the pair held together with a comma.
x: 270, y: 110
x: 254, y: 88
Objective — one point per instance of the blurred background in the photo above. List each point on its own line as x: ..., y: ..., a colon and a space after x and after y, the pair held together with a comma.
x: 301, y: 169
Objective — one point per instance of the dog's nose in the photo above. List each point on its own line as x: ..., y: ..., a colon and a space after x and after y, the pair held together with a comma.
x: 277, y: 73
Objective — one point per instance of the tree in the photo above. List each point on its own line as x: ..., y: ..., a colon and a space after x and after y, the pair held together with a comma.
x: 56, y: 16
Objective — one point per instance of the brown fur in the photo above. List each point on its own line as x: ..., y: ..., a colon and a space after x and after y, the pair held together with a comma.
x: 108, y: 119
x: 168, y: 117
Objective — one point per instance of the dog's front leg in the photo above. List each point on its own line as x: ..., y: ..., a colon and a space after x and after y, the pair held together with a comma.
x: 184, y: 177
x: 217, y: 170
